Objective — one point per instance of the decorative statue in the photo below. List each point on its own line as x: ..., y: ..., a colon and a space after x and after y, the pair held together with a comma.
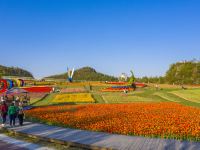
x: 70, y: 74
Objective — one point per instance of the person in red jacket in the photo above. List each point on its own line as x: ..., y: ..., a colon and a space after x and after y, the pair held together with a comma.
x: 4, y: 110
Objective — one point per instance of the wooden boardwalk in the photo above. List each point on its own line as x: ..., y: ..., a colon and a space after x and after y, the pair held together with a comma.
x: 93, y: 140
x: 10, y: 143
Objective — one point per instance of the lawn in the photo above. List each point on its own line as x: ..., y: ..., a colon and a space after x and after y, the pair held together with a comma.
x: 192, y: 95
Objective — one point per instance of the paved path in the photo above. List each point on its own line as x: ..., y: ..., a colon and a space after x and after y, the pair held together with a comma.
x: 9, y: 143
x: 98, y: 139
x: 7, y: 146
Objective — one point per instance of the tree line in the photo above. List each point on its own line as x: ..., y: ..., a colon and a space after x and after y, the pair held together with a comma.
x: 14, y: 71
x: 186, y: 72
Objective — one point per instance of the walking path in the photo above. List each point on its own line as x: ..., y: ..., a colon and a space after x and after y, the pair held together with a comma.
x: 91, y: 140
x: 8, y: 143
x: 7, y: 146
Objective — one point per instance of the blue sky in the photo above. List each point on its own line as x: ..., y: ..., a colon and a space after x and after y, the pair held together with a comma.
x: 113, y: 36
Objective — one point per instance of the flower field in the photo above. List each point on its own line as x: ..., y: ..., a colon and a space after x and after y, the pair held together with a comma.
x: 73, y: 90
x: 77, y: 98
x: 167, y: 120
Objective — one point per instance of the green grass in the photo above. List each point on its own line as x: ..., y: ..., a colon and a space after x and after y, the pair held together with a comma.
x: 137, y: 96
x: 166, y: 96
x: 35, y: 100
x: 192, y: 95
x: 98, y: 98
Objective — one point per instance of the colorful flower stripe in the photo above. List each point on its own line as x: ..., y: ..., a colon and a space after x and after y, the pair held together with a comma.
x: 117, y: 83
x: 77, y: 98
x: 73, y: 90
x: 111, y: 89
x: 147, y: 119
x: 38, y: 89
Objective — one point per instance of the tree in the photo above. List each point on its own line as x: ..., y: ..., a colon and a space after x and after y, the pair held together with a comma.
x: 187, y: 72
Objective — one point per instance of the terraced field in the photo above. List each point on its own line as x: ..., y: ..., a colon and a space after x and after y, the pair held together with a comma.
x: 189, y: 97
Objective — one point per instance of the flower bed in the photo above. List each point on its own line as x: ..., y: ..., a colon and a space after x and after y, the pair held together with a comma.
x: 76, y: 98
x: 117, y: 89
x: 169, y: 120
x: 73, y: 90
x: 117, y: 83
x: 39, y: 89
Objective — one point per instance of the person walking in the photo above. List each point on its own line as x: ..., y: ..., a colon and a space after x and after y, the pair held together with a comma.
x: 4, y: 110
x: 12, y: 112
x: 2, y: 99
x: 20, y: 114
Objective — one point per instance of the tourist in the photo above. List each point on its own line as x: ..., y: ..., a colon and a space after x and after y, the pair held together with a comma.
x: 53, y: 90
x: 20, y: 114
x: 13, y: 98
x: 12, y: 112
x: 157, y: 88
x: 4, y: 110
x: 17, y: 99
x: 6, y: 97
x: 2, y: 99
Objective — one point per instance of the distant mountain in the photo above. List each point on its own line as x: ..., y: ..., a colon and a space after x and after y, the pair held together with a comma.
x: 87, y: 74
x: 14, y: 71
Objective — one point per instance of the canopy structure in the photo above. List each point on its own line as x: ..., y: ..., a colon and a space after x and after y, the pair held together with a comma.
x: 16, y: 82
x: 7, y: 84
x: 15, y: 91
x: 10, y: 83
x: 21, y: 82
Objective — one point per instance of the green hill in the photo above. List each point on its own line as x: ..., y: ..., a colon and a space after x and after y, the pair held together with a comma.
x: 87, y: 74
x: 187, y: 72
x: 14, y: 71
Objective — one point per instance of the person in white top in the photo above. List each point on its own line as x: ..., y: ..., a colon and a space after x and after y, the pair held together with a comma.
x: 2, y: 99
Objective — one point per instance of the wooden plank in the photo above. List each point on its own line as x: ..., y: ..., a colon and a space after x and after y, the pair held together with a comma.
x: 99, y: 140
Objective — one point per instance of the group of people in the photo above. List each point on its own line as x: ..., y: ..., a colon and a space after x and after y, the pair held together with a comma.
x: 15, y: 110
x: 23, y: 99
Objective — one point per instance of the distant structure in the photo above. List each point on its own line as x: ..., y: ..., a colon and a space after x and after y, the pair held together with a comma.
x: 70, y: 74
x: 123, y: 77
